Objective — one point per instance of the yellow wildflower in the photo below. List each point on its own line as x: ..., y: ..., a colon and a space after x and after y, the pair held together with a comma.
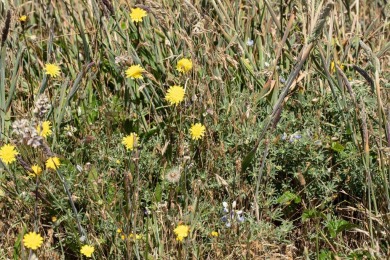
x: 87, y: 250
x: 135, y: 72
x: 181, y: 232
x: 23, y: 18
x: 8, y: 153
x: 36, y: 170
x: 52, y: 69
x: 333, y: 67
x: 137, y: 14
x: 184, y: 65
x: 53, y: 163
x: 175, y: 95
x: 214, y: 234
x: 44, y: 129
x: 197, y: 131
x: 32, y: 240
x: 53, y: 219
x: 130, y: 141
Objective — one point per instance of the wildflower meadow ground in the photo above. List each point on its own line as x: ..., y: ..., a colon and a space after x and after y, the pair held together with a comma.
x: 213, y: 129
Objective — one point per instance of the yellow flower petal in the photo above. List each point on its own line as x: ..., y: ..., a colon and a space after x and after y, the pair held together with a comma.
x: 197, y: 131
x: 184, y: 65
x: 52, y: 69
x: 175, y: 95
x: 32, y: 240
x: 137, y: 14
x: 134, y: 72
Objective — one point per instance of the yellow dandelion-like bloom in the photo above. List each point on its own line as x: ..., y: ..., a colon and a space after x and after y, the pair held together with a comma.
x: 137, y: 14
x: 53, y: 163
x: 134, y: 236
x: 119, y: 231
x: 32, y: 240
x: 130, y: 141
x: 197, y: 131
x: 23, y: 18
x: 332, y: 68
x: 135, y: 72
x: 87, y: 250
x: 184, y: 65
x: 181, y: 232
x: 175, y: 95
x: 8, y: 153
x: 52, y: 69
x: 214, y: 234
x: 36, y: 170
x: 123, y: 237
x: 44, y: 129
x: 53, y: 219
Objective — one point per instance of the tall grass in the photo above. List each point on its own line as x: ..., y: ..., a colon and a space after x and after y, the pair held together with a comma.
x: 294, y: 97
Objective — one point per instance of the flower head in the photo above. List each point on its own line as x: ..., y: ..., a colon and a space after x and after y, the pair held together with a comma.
x: 173, y: 175
x: 175, y: 95
x: 130, y: 141
x: 197, y: 131
x: 52, y: 69
x: 8, y: 153
x: 137, y: 14
x: 134, y: 236
x: 249, y: 42
x: 134, y: 72
x: 181, y: 232
x: 23, y: 18
x: 41, y: 106
x: 44, y: 129
x: 333, y: 67
x: 53, y: 163
x: 87, y: 250
x: 36, y: 170
x: 214, y: 234
x: 32, y: 240
x: 184, y: 65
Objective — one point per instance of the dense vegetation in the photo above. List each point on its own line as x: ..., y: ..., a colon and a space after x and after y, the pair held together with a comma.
x: 278, y: 149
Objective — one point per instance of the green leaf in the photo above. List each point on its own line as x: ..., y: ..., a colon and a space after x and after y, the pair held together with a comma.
x: 336, y: 146
x: 158, y: 193
x: 287, y: 197
x: 337, y: 226
x: 310, y: 214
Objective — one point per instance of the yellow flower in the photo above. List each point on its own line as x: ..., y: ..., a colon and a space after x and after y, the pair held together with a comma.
x: 32, y: 240
x: 53, y: 219
x: 214, y: 234
x: 134, y: 72
x: 175, y: 95
x: 197, y: 131
x: 137, y: 14
x: 135, y: 236
x: 130, y: 141
x: 119, y: 231
x: 53, y: 163
x: 184, y: 65
x: 181, y: 232
x: 44, y: 129
x: 8, y: 153
x: 87, y: 250
x: 123, y: 237
x: 36, y: 169
x: 52, y: 70
x: 23, y: 18
x: 333, y: 67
